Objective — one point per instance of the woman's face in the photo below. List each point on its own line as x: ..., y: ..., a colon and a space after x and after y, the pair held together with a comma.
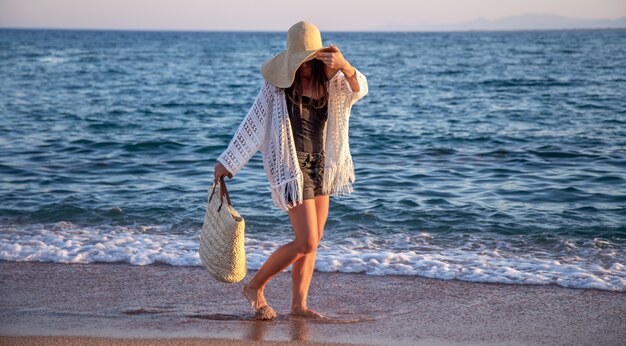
x: 305, y: 70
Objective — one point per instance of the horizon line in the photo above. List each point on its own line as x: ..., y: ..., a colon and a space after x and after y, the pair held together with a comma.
x: 283, y: 32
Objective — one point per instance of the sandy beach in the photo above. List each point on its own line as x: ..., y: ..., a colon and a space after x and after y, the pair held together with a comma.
x: 55, y: 304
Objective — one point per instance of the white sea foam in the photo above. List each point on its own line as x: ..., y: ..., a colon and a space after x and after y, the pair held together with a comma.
x: 374, y: 255
x: 68, y: 244
x: 53, y: 59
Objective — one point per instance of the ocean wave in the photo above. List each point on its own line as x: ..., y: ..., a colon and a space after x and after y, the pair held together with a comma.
x: 595, y: 263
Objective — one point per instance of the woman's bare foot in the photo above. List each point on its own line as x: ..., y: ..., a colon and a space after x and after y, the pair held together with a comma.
x: 262, y: 311
x: 306, y: 313
x: 254, y: 297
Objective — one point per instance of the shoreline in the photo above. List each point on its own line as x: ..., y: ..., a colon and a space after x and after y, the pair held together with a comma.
x: 167, y: 305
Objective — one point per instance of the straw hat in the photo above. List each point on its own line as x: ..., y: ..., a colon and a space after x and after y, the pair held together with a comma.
x: 303, y: 41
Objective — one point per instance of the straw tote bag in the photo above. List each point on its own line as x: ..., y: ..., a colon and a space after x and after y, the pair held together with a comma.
x: 222, y: 250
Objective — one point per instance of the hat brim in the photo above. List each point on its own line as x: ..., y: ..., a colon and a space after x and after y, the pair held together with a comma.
x: 280, y: 70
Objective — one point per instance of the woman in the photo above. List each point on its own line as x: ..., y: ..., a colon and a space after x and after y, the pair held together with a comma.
x: 299, y: 122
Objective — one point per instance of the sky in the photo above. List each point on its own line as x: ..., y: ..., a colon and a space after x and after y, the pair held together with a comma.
x: 279, y: 15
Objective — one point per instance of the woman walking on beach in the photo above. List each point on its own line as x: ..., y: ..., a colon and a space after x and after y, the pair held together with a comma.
x: 299, y: 122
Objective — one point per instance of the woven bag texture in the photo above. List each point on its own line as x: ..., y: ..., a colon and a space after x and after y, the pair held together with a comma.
x: 222, y: 250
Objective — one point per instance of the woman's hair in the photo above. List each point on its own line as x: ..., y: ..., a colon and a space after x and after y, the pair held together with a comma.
x: 318, y: 79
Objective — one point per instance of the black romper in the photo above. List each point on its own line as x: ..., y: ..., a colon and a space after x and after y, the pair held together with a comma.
x: 308, y: 135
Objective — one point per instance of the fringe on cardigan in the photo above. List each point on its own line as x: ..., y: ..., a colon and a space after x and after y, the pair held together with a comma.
x: 290, y: 190
x: 338, y: 178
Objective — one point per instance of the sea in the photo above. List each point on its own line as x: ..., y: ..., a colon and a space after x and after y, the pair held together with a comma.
x: 494, y: 157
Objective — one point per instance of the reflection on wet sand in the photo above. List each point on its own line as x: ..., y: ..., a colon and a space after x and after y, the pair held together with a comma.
x: 299, y: 329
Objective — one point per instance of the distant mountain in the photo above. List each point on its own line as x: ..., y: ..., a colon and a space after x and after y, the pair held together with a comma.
x: 534, y: 21
x: 528, y: 21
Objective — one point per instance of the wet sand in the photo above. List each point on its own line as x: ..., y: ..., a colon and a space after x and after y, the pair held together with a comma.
x: 62, y: 304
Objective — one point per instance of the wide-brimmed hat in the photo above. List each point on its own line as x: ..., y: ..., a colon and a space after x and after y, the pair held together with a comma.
x: 303, y: 41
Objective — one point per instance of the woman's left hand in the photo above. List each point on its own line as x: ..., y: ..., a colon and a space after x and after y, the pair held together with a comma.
x: 332, y: 57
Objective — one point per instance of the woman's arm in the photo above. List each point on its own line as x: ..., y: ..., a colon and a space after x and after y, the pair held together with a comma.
x: 362, y: 87
x: 350, y: 73
x: 249, y: 136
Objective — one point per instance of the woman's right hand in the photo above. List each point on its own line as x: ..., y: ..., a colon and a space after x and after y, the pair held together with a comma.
x: 219, y: 172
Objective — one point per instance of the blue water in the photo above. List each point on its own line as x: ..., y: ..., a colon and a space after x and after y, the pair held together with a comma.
x: 480, y: 156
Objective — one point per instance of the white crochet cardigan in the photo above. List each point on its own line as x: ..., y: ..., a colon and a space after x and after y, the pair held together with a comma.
x: 267, y: 128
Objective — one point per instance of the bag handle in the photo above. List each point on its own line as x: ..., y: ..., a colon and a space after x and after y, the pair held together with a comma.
x: 223, y: 192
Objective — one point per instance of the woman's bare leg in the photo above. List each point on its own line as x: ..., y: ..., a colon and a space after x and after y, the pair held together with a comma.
x: 304, y: 220
x: 302, y: 269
